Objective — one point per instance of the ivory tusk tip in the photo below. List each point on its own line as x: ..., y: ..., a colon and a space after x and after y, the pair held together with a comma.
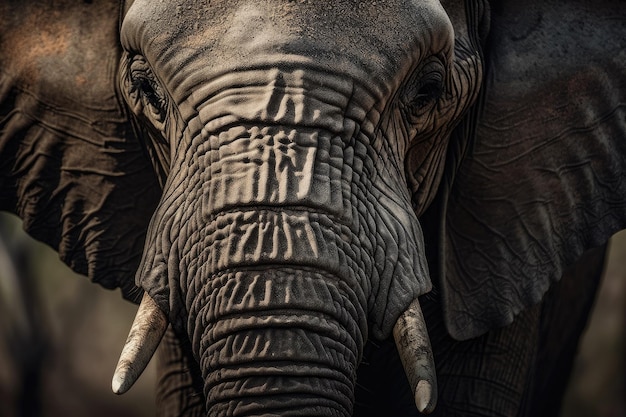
x: 120, y: 383
x: 143, y: 339
x: 423, y: 397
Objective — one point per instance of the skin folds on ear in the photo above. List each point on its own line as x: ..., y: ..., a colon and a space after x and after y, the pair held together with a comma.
x: 70, y: 164
x: 544, y: 180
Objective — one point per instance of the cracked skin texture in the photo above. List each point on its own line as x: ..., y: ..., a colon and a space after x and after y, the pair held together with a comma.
x: 524, y: 194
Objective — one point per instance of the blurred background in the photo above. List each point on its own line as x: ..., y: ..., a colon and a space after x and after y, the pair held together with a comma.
x: 60, y: 338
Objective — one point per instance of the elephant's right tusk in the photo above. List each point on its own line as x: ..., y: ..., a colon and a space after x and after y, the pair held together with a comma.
x: 413, y: 345
x: 144, y: 337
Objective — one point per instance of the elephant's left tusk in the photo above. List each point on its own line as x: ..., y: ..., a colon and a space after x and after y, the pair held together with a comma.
x: 413, y: 344
x: 144, y: 337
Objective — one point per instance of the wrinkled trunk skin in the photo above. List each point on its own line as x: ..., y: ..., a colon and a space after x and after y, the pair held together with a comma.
x: 272, y: 346
x: 275, y: 243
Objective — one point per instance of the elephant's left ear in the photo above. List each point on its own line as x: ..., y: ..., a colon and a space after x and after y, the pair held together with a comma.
x: 70, y: 165
x: 545, y: 178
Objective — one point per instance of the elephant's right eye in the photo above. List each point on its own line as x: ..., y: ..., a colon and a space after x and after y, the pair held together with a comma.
x: 144, y: 93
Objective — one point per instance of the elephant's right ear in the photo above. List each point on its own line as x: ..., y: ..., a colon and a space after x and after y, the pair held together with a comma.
x: 70, y: 165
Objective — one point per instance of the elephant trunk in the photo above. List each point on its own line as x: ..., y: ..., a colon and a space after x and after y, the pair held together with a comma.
x: 279, y: 342
x: 409, y: 332
x: 275, y: 297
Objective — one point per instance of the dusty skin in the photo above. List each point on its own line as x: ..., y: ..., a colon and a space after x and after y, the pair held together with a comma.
x: 282, y: 181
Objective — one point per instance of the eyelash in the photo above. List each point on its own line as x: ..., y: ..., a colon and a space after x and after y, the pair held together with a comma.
x: 144, y: 82
x: 426, y: 87
x: 144, y: 92
x: 148, y: 88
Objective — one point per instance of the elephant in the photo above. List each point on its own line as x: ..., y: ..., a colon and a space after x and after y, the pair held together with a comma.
x: 326, y: 208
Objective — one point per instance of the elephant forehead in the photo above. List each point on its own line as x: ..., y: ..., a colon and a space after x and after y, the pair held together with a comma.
x: 374, y: 38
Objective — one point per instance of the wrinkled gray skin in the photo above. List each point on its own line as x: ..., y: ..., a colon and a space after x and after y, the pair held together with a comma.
x: 284, y: 152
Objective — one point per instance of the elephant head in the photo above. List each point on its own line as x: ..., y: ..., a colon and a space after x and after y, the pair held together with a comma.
x: 263, y: 166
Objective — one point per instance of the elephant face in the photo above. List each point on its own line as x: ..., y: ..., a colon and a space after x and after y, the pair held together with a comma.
x: 298, y: 145
x: 262, y: 165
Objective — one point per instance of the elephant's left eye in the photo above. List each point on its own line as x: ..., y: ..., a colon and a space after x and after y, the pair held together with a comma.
x: 425, y: 88
x: 428, y: 92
